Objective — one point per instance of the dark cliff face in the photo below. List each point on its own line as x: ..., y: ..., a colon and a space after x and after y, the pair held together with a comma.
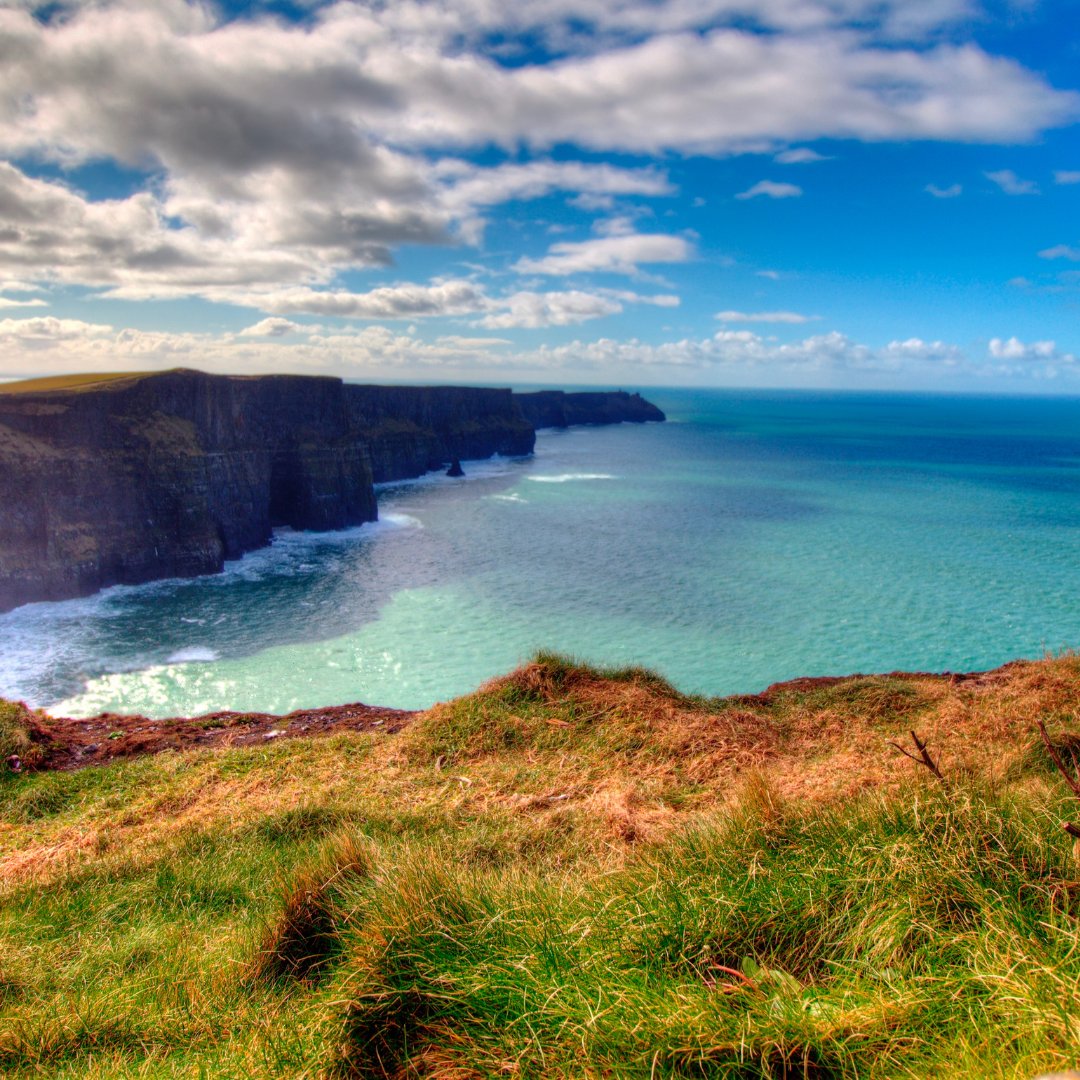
x: 169, y: 475
x: 557, y: 408
x: 411, y: 430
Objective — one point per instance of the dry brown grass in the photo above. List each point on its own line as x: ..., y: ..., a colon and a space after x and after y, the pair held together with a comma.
x: 69, y: 382
x: 614, y: 761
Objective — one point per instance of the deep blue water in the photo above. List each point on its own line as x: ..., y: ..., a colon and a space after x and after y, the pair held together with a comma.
x: 757, y: 536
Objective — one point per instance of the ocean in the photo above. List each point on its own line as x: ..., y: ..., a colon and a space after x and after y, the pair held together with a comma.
x: 755, y: 537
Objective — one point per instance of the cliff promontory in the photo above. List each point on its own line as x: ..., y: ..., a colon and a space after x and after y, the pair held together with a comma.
x: 129, y: 479
x: 120, y: 479
x: 559, y: 409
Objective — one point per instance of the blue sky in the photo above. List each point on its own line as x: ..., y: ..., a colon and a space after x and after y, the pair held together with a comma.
x: 833, y: 193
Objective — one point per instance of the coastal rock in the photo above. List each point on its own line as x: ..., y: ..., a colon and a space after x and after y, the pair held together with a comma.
x: 121, y: 479
x: 559, y: 409
x: 411, y: 430
x: 168, y: 475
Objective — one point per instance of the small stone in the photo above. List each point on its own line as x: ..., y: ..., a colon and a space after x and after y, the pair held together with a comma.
x: 455, y: 468
x: 273, y: 734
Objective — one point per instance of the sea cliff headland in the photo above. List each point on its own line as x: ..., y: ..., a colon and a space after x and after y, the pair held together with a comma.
x: 123, y: 479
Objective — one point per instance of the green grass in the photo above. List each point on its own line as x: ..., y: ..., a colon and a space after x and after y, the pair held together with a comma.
x: 15, y: 734
x: 69, y: 382
x: 570, y: 873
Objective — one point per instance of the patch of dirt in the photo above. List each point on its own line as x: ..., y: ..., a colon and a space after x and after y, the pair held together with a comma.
x: 74, y: 744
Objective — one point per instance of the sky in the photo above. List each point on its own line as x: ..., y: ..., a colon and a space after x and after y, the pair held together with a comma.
x: 849, y: 194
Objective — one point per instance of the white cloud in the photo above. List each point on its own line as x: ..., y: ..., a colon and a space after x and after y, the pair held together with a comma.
x: 1061, y: 251
x: 1012, y: 184
x: 48, y: 329
x: 950, y: 192
x: 213, y: 100
x: 801, y: 155
x: 731, y: 352
x: 274, y: 327
x: 1066, y: 176
x: 47, y: 345
x: 772, y: 275
x: 454, y: 298
x: 620, y: 254
x: 8, y: 302
x: 540, y: 309
x: 405, y: 301
x: 771, y: 189
x: 470, y: 186
x: 792, y: 317
x: 1013, y: 349
x: 278, y: 155
x: 937, y: 352
x: 531, y: 309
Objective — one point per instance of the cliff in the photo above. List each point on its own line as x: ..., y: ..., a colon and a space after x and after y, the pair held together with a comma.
x: 129, y: 479
x: 410, y: 430
x: 559, y: 409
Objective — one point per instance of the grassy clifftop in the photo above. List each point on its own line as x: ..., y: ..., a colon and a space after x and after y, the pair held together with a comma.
x: 570, y: 873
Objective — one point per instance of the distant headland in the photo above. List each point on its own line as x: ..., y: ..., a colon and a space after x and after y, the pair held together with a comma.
x: 122, y: 479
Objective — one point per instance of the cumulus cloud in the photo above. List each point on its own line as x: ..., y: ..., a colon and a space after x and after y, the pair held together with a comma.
x: 273, y: 327
x: 274, y: 156
x: 1013, y: 349
x: 765, y: 317
x: 1061, y: 251
x: 49, y: 330
x: 737, y: 356
x: 950, y: 192
x: 618, y: 254
x: 1012, y: 184
x: 742, y: 353
x: 537, y: 309
x: 801, y: 155
x: 212, y: 99
x: 406, y: 301
x: 530, y: 309
x: 1066, y: 176
x: 772, y: 190
x: 10, y: 302
x: 458, y: 297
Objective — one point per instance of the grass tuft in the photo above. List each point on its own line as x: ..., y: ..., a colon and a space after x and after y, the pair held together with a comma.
x: 304, y: 935
x: 17, y: 736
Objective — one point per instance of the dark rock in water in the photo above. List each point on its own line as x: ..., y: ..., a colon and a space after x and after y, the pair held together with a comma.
x: 455, y: 468
x: 559, y: 409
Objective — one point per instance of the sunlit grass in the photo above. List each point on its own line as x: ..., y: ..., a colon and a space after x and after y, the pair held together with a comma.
x: 82, y: 381
x: 567, y: 874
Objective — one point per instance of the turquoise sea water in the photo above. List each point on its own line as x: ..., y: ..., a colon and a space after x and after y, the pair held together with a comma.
x: 755, y: 537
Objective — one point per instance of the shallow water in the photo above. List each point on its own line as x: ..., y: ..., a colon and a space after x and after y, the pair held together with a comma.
x: 755, y: 537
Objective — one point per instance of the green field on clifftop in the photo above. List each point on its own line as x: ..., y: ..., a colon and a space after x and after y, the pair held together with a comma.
x: 68, y: 382
x: 569, y: 873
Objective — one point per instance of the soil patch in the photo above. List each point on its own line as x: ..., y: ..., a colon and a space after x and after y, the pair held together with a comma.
x: 74, y: 744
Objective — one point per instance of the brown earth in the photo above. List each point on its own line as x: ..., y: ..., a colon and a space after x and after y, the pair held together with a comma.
x: 70, y: 743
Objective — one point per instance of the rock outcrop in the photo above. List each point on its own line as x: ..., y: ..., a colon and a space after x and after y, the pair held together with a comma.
x: 168, y: 475
x: 411, y: 430
x: 559, y: 409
